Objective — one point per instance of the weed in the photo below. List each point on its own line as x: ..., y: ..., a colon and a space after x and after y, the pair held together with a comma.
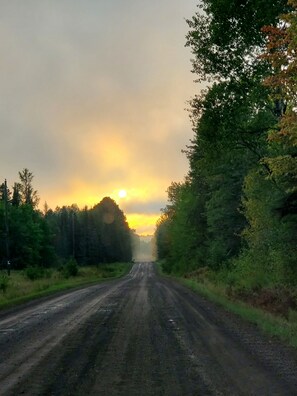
x: 269, y: 323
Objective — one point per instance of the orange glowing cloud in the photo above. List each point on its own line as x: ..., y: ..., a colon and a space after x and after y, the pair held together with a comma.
x: 108, y: 151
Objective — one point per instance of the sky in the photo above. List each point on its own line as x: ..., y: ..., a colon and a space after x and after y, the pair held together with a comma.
x: 93, y: 98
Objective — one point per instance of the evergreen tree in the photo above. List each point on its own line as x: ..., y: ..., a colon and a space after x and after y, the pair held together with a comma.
x: 16, y: 195
x: 29, y: 196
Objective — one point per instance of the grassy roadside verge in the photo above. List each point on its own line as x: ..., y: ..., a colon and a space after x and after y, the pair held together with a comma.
x: 21, y: 289
x: 284, y: 329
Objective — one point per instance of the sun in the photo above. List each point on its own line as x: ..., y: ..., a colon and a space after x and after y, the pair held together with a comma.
x: 122, y: 193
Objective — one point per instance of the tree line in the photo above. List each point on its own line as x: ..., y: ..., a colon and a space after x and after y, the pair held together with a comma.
x: 236, y: 211
x: 31, y: 237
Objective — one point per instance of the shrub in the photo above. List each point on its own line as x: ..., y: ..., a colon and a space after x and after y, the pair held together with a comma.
x: 70, y: 268
x: 34, y: 273
x: 4, y: 280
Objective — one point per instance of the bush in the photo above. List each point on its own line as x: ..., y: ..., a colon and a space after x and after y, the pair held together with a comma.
x: 166, y: 266
x: 70, y: 268
x: 34, y: 273
x: 4, y: 280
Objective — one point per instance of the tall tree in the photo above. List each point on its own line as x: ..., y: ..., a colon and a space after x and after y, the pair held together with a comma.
x: 5, y: 193
x: 232, y: 120
x: 16, y: 194
x: 29, y: 196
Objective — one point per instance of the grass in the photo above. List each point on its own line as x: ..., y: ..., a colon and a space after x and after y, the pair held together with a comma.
x: 21, y: 289
x: 284, y: 329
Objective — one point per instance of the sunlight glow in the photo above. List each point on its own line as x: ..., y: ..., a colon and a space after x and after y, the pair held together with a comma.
x: 130, y: 200
x: 122, y: 193
x: 144, y: 223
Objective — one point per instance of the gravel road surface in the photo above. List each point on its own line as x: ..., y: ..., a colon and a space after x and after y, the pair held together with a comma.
x: 141, y: 335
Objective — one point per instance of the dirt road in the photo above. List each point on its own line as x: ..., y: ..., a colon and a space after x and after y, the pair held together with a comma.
x: 141, y: 335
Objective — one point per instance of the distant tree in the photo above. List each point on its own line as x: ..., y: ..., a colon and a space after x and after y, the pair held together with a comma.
x: 113, y: 231
x: 63, y: 234
x: 5, y: 193
x: 36, y: 238
x: 28, y: 194
x: 162, y: 237
x: 45, y: 208
x: 16, y: 194
x: 26, y: 236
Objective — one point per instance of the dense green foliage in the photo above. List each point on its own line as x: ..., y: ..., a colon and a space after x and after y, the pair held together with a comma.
x: 236, y: 212
x: 30, y: 238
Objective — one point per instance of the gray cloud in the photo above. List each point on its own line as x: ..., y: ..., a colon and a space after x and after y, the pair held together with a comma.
x: 146, y: 207
x: 79, y: 76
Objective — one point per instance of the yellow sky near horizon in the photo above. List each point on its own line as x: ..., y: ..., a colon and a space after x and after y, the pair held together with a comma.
x: 143, y: 223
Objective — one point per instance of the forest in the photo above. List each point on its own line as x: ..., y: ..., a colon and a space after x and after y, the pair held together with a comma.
x: 234, y: 216
x: 30, y: 237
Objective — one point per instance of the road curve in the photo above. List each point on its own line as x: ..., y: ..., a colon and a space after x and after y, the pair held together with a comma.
x: 141, y: 335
